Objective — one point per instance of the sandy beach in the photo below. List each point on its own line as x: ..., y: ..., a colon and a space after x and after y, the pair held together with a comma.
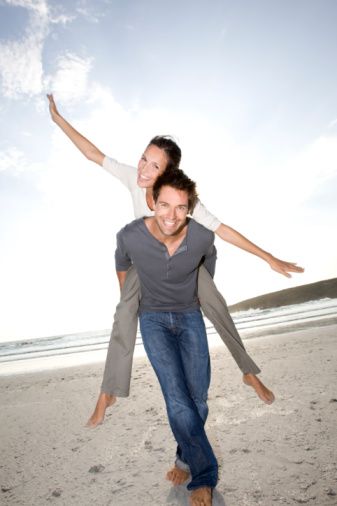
x: 279, y: 454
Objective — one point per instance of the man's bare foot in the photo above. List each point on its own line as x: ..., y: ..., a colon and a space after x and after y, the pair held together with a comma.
x: 201, y: 497
x: 177, y: 476
x: 262, y: 391
x: 104, y: 401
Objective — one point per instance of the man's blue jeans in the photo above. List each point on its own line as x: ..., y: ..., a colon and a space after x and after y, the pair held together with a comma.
x: 176, y: 344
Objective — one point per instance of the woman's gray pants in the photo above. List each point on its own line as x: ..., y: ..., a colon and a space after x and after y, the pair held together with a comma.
x: 118, y: 365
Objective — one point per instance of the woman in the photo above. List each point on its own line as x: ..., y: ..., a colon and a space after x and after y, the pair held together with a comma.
x: 161, y: 154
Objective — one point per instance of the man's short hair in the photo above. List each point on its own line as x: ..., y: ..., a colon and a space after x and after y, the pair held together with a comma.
x: 176, y: 178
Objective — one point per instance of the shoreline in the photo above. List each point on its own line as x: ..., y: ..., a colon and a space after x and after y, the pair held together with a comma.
x: 53, y: 362
x: 280, y: 454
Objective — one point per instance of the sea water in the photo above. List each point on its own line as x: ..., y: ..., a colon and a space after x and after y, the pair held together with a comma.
x: 89, y: 347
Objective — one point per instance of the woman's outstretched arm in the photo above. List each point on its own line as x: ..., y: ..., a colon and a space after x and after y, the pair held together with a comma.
x: 230, y: 235
x: 86, y: 147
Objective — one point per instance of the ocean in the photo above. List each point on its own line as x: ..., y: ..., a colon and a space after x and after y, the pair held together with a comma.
x: 47, y: 353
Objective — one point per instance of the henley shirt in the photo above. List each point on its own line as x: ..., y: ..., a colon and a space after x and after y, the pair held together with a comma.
x: 168, y: 283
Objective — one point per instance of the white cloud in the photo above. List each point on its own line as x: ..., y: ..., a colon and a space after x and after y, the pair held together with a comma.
x: 38, y: 6
x: 70, y: 81
x: 332, y: 123
x: 12, y: 159
x: 92, y: 11
x: 300, y: 178
x: 21, y: 61
x: 21, y: 66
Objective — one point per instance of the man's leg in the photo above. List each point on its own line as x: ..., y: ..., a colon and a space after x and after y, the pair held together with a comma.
x: 118, y: 364
x: 215, y: 309
x: 172, y: 342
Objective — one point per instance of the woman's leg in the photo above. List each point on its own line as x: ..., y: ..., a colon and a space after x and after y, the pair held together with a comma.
x: 118, y: 364
x: 215, y: 309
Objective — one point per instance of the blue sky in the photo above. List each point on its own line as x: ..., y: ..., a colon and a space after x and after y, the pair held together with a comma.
x: 248, y: 88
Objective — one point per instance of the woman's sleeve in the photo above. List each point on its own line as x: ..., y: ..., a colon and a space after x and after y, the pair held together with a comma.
x: 204, y: 217
x: 125, y: 173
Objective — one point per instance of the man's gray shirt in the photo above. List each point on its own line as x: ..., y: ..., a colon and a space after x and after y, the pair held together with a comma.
x: 168, y: 283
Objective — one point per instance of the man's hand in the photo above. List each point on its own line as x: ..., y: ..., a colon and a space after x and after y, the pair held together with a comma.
x: 284, y: 267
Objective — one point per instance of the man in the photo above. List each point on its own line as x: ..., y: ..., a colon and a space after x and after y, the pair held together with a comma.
x: 166, y: 250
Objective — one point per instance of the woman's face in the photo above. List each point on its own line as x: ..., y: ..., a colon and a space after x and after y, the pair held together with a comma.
x: 152, y: 164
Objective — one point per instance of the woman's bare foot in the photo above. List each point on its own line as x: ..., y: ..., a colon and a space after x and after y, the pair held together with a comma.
x: 177, y: 476
x: 262, y: 391
x: 201, y: 497
x: 104, y: 401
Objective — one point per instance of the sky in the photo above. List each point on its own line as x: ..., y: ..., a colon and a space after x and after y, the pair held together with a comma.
x: 247, y: 88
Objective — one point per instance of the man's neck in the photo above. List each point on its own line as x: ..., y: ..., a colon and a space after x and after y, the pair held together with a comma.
x: 170, y: 241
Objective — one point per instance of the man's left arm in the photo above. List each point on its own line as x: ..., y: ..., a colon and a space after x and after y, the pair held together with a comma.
x: 210, y: 259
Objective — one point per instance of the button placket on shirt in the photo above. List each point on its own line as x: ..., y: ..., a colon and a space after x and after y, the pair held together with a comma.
x: 169, y: 258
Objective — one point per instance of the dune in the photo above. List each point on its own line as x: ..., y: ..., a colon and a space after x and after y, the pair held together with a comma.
x: 295, y: 295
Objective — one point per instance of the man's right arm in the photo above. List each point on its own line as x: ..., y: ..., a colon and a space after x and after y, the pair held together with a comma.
x: 122, y: 259
x: 121, y: 275
x: 86, y: 147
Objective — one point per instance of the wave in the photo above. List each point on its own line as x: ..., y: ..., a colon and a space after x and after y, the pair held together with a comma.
x: 250, y: 323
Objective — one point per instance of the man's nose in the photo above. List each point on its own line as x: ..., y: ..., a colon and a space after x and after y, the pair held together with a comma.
x: 171, y: 213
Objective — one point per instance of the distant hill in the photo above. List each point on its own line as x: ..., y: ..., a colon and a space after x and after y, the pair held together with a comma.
x: 312, y: 291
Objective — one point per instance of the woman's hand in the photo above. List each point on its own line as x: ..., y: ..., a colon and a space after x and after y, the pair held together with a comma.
x: 284, y: 267
x: 52, y: 107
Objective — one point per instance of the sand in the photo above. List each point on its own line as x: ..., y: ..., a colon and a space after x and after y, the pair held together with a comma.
x: 279, y: 454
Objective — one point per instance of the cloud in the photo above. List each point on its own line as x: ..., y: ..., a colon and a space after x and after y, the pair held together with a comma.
x: 12, y: 159
x: 70, y: 81
x: 21, y: 61
x: 21, y: 64
x: 332, y: 123
x: 38, y: 6
x: 304, y: 174
x: 15, y: 162
x: 92, y: 16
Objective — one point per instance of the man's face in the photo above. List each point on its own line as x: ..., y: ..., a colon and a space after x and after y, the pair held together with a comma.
x: 152, y: 164
x: 171, y: 209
